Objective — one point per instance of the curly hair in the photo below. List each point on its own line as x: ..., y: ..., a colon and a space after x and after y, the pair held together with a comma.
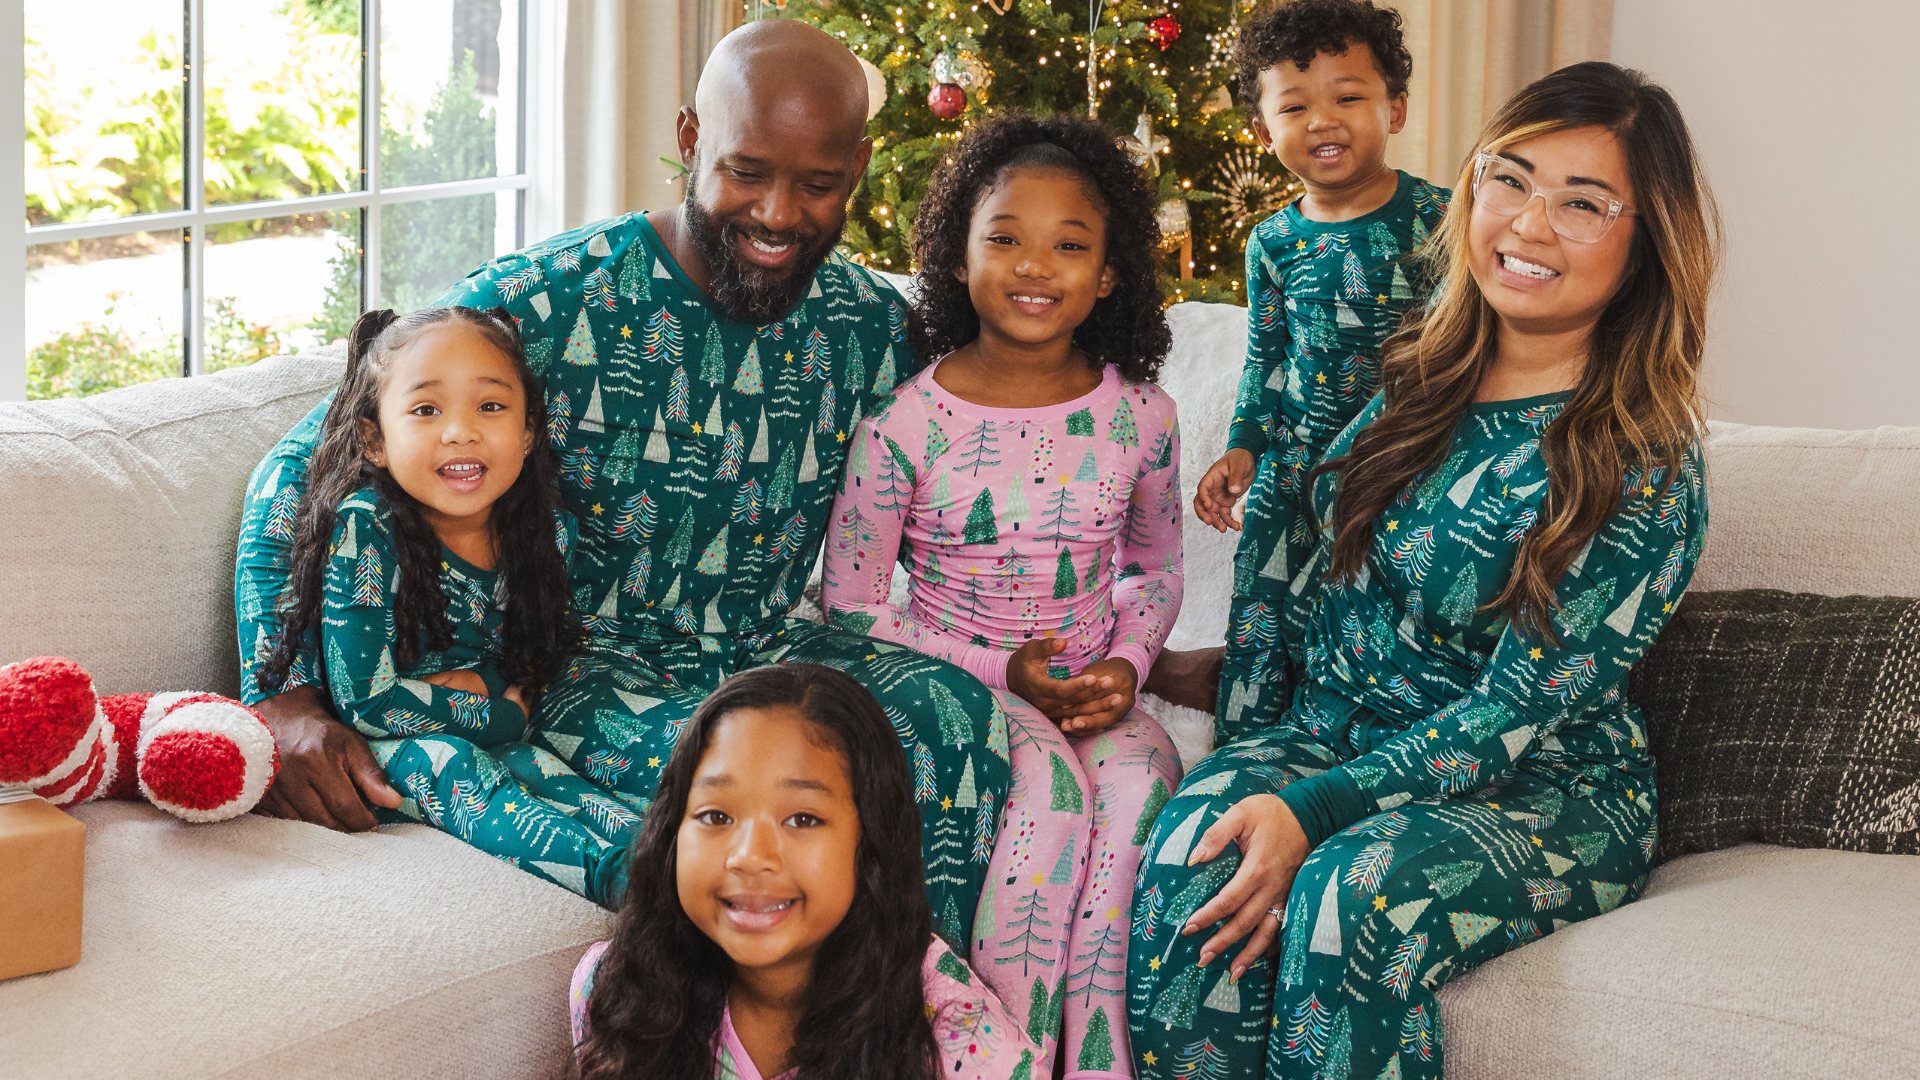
x: 1303, y: 29
x: 662, y: 985
x: 1127, y: 327
x: 538, y: 629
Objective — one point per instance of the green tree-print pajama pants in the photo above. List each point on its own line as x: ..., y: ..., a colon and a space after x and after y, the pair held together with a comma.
x: 1257, y: 676
x: 1381, y: 915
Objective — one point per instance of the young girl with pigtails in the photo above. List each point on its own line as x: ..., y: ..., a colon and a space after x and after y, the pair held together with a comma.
x: 1028, y: 479
x: 430, y: 575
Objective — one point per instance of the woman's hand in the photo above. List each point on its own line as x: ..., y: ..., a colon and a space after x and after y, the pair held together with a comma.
x: 460, y: 679
x: 1222, y: 487
x: 1272, y: 847
x: 1087, y: 697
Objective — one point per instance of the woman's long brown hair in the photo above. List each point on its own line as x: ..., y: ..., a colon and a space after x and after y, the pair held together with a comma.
x: 1636, y: 411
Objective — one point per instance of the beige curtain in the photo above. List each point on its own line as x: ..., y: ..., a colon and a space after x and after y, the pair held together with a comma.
x: 1469, y: 56
x: 608, y: 77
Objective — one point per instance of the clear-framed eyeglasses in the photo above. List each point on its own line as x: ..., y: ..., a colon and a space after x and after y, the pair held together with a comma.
x: 1581, y: 214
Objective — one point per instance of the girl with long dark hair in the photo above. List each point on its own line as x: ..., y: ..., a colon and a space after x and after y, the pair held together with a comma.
x: 430, y: 577
x: 1504, y: 531
x: 1029, y: 480
x: 777, y: 924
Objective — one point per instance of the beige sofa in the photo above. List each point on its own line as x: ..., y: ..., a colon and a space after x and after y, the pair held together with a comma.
x: 262, y: 948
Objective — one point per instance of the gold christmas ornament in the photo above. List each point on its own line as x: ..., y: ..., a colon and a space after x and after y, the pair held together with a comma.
x: 1176, y: 223
x: 1145, y: 146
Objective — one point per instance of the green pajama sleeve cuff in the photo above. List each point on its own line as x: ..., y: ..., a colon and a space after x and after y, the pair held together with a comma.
x: 496, y: 683
x: 499, y: 709
x: 1325, y: 804
x: 1247, y: 435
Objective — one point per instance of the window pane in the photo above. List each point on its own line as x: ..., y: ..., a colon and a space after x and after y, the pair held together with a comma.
x: 427, y: 247
x: 283, y: 98
x: 278, y: 285
x: 449, y: 90
x: 103, y: 109
x: 103, y: 313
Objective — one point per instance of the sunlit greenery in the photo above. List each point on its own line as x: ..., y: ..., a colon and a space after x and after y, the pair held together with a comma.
x: 283, y: 121
x: 91, y: 358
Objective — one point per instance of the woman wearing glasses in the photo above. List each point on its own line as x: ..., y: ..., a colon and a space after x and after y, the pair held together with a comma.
x: 1504, y: 531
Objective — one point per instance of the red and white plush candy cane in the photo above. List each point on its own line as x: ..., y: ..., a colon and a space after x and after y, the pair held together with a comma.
x: 200, y: 757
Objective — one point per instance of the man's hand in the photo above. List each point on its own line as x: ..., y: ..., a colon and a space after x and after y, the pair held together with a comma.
x: 324, y: 766
x: 458, y: 679
x: 1087, y: 698
x: 1223, y: 485
x: 1190, y: 678
x: 1272, y: 848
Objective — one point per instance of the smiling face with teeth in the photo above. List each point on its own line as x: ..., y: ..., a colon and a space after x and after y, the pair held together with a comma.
x: 1536, y: 280
x: 1329, y: 125
x: 1036, y: 265
x: 453, y: 426
x: 767, y: 852
x: 774, y: 143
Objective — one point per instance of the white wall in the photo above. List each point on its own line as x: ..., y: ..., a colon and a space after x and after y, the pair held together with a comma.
x: 1807, y: 113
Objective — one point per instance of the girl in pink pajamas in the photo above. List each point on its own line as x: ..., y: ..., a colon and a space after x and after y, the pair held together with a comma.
x: 1029, y: 481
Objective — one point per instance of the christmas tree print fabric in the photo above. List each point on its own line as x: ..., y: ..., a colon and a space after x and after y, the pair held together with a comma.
x: 700, y: 455
x: 1060, y: 521
x: 382, y: 699
x: 454, y: 756
x: 1382, y: 914
x: 1050, y: 934
x: 1323, y: 296
x: 1466, y: 787
x: 979, y: 503
x: 975, y: 1036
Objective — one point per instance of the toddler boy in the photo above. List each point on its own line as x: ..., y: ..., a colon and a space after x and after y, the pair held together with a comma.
x: 1328, y: 279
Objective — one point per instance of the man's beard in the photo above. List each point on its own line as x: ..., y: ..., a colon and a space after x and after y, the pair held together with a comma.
x: 747, y: 292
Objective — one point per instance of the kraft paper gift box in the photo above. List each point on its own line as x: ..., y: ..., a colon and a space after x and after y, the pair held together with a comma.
x: 42, y: 874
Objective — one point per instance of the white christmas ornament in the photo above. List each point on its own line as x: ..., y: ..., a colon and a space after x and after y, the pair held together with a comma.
x: 876, y: 87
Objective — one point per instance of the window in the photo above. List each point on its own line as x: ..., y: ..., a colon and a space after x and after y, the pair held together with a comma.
x: 211, y: 183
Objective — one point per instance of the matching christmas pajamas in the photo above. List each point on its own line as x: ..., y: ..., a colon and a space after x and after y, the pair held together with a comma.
x: 1324, y: 296
x: 979, y: 503
x: 1467, y: 788
x: 444, y: 748
x: 700, y: 455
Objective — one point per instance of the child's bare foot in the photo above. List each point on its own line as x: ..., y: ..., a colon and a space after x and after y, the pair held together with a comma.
x: 1190, y: 678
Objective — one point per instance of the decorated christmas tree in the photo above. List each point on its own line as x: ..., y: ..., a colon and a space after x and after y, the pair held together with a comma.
x: 1161, y: 74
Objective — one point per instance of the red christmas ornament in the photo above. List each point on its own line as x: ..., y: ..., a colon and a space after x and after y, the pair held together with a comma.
x: 1163, y: 31
x: 946, y: 100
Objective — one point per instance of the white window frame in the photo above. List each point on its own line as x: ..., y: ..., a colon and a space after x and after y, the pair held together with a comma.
x: 196, y: 216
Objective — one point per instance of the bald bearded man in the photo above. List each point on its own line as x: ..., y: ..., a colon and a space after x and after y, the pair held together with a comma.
x: 705, y: 367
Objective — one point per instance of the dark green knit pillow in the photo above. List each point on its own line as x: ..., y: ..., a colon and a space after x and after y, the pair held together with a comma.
x: 1786, y: 718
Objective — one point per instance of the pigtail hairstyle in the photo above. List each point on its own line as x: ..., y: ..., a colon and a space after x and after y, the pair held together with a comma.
x: 1636, y: 411
x: 662, y: 983
x: 1127, y: 327
x: 538, y: 629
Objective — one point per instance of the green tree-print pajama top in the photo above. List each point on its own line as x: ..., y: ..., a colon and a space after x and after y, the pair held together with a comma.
x: 701, y: 455
x: 1466, y: 787
x: 454, y: 755
x: 1322, y: 296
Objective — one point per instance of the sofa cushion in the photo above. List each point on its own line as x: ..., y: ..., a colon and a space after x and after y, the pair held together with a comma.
x: 1787, y: 718
x: 121, y: 514
x: 1751, y: 962
x: 1808, y: 510
x: 266, y: 948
